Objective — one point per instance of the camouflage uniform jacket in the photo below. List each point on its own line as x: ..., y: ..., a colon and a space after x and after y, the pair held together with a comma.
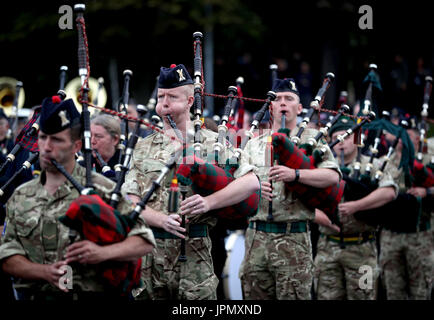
x: 350, y: 224
x: 285, y: 207
x: 32, y: 228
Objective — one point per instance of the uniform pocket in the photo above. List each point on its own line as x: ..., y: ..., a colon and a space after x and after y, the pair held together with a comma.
x: 29, y: 235
x: 26, y: 226
x: 206, y: 290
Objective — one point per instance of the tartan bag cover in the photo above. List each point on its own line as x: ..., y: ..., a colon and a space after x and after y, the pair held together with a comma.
x: 207, y: 178
x: 28, y: 142
x: 423, y: 175
x: 96, y: 221
x: 287, y: 154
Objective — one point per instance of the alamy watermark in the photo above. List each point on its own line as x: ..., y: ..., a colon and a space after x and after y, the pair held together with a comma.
x: 66, y: 18
x: 65, y: 281
x: 366, y: 20
x: 367, y: 278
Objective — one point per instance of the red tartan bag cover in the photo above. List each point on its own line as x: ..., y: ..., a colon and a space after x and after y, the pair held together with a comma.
x: 96, y: 221
x: 423, y: 175
x: 287, y: 154
x: 207, y: 178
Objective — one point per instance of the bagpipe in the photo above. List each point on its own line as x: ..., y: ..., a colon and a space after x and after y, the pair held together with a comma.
x: 287, y: 153
x: 223, y: 126
x: 23, y: 155
x: 173, y: 204
x: 373, y: 81
x: 153, y: 98
x: 374, y: 150
x: 237, y: 103
x: 206, y: 178
x: 423, y: 174
x: 123, y: 109
x: 198, y: 91
x: 404, y: 213
x: 33, y: 157
x: 377, y: 140
x: 27, y: 138
x: 408, y: 213
x: 89, y: 215
x: 94, y: 220
x: 359, y: 185
x: 240, y: 122
x: 84, y: 74
x: 106, y: 170
x: 127, y: 158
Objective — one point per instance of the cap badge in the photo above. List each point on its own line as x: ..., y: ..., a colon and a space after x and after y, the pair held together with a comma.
x: 181, y: 75
x: 62, y: 116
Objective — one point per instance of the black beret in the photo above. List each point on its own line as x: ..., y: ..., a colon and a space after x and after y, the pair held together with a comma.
x: 175, y: 76
x: 57, y: 115
x: 285, y: 85
x: 344, y: 123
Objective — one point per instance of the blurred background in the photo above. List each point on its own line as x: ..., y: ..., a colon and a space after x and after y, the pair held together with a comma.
x: 306, y: 39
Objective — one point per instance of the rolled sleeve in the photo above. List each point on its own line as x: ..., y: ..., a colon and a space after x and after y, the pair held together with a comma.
x: 330, y: 162
x: 387, y: 181
x: 390, y: 175
x: 245, y: 164
x: 9, y: 243
x: 142, y: 230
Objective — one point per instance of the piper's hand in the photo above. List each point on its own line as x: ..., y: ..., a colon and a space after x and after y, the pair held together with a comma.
x: 266, y: 190
x: 322, y: 219
x: 417, y: 192
x: 348, y: 208
x: 173, y: 225
x: 85, y: 252
x: 196, y: 204
x: 53, y: 272
x: 282, y: 173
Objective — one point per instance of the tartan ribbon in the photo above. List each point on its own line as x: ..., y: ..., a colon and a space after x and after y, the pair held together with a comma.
x: 206, y: 178
x: 96, y: 221
x: 326, y: 199
x: 28, y: 142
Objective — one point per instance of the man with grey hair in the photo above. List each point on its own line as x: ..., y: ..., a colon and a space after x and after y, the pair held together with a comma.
x: 106, y: 131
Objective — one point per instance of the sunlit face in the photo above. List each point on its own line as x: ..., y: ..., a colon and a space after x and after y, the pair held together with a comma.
x: 59, y: 147
x: 175, y: 102
x: 103, y: 142
x: 288, y: 103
